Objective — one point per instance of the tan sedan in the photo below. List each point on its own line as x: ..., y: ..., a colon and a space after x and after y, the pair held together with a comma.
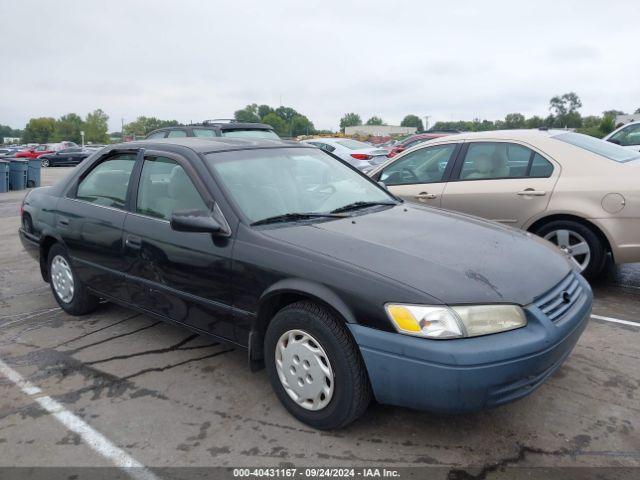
x: 581, y: 193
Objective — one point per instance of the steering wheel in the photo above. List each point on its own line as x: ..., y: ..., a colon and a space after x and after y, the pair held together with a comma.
x: 411, y: 174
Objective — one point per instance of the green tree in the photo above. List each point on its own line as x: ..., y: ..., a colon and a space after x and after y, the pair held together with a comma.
x: 286, y: 113
x: 607, y: 124
x: 350, y: 120
x: 247, y: 114
x: 301, y: 125
x: 534, y: 122
x: 565, y: 110
x: 264, y: 110
x: 613, y: 113
x: 514, y: 120
x: 278, y: 124
x: 96, y: 127
x: 68, y: 127
x: 39, y: 130
x: 375, y: 121
x: 412, y: 121
x: 143, y: 125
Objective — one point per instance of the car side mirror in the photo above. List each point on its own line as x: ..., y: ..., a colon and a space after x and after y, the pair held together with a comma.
x: 195, y: 221
x: 614, y: 140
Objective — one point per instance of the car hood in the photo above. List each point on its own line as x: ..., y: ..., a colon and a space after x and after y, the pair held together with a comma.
x: 454, y: 258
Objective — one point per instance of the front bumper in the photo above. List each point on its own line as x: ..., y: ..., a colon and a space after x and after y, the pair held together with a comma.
x: 455, y: 376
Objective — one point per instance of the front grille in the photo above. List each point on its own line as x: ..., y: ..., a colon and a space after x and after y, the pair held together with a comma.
x: 561, y: 298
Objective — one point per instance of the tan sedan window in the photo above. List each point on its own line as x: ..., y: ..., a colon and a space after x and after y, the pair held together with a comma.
x: 493, y: 160
x: 426, y: 165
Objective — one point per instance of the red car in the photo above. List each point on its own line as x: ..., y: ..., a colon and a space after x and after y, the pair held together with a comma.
x: 44, y: 148
x: 414, y: 140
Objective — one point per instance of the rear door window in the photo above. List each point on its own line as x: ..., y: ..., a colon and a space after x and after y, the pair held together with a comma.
x: 107, y: 183
x: 204, y: 132
x: 156, y: 135
x: 177, y: 133
x: 495, y: 160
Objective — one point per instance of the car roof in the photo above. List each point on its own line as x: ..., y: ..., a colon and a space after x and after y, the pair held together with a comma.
x: 210, y: 144
x: 524, y: 134
x: 218, y: 125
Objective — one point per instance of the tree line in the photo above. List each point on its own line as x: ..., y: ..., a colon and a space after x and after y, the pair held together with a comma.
x: 67, y: 127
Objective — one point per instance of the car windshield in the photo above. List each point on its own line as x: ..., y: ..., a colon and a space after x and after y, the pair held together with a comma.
x: 267, y: 183
x: 250, y: 134
x: 599, y: 147
x: 353, y: 144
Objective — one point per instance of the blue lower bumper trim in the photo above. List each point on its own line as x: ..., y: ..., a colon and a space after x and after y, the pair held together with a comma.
x: 454, y: 376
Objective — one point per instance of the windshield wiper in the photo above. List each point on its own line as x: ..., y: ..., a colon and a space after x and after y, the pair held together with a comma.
x: 357, y: 205
x: 290, y: 217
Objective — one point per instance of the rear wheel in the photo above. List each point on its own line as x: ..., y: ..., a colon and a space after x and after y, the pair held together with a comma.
x: 67, y: 288
x: 315, y: 366
x: 578, y: 241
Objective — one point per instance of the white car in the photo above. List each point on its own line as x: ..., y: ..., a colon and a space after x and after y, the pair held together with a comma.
x: 359, y: 154
x: 627, y: 136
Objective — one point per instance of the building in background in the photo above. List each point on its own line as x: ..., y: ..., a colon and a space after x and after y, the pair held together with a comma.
x: 627, y: 118
x: 10, y: 140
x: 379, y: 130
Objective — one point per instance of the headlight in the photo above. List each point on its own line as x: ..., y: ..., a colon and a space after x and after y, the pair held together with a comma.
x: 455, y: 322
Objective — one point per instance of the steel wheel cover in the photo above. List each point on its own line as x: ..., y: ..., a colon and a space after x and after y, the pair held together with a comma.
x: 62, y: 278
x: 304, y: 370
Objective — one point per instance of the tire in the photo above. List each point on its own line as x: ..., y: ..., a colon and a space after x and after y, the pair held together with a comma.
x: 350, y: 389
x: 44, y: 162
x: 581, y: 233
x: 79, y: 302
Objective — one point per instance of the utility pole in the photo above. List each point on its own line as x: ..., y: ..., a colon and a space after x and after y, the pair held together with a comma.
x: 122, y: 129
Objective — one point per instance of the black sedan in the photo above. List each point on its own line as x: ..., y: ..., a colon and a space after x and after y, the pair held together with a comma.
x: 332, y: 283
x: 64, y: 158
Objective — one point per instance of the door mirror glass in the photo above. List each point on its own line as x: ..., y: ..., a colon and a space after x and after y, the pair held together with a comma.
x: 195, y: 221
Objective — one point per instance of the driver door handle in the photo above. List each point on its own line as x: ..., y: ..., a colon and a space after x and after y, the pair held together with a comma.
x: 425, y: 195
x: 531, y: 192
x: 133, y: 241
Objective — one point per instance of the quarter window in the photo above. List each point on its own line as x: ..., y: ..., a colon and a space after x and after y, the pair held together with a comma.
x: 165, y: 187
x: 426, y: 165
x: 494, y: 160
x: 108, y: 182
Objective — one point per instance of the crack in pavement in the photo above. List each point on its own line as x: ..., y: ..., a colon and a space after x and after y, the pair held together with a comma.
x: 79, y: 349
x: 172, y: 348
x: 98, y: 330
x: 167, y: 367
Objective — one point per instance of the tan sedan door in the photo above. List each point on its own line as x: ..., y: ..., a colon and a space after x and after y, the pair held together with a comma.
x: 503, y: 181
x: 418, y: 176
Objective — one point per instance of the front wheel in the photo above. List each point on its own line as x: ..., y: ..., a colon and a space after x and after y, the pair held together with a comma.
x: 579, y: 242
x: 315, y: 367
x: 45, y: 162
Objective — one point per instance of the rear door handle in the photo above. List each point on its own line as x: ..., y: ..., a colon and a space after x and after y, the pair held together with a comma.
x: 425, y: 195
x: 531, y: 192
x: 133, y: 241
x: 63, y: 221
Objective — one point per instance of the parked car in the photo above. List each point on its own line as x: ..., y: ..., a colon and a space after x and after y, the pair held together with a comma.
x: 627, y: 136
x: 65, y: 157
x: 8, y: 152
x: 329, y: 281
x: 574, y: 190
x: 45, y: 148
x: 361, y: 155
x: 415, y: 140
x: 217, y: 128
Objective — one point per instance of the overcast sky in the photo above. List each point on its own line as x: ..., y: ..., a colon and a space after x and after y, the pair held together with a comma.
x: 192, y: 60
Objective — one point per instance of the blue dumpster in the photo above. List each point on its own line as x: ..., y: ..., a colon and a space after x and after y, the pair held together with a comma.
x: 18, y: 174
x: 4, y: 176
x: 33, y: 174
